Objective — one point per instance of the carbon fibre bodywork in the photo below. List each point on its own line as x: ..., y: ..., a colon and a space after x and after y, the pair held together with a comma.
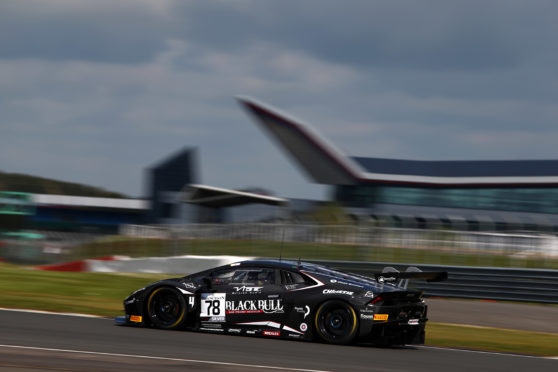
x: 284, y: 299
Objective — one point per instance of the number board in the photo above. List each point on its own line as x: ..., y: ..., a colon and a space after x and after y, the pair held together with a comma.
x: 213, y: 306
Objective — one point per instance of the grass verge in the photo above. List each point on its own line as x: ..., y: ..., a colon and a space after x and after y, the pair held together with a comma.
x: 102, y: 294
x: 492, y: 339
x: 87, y: 293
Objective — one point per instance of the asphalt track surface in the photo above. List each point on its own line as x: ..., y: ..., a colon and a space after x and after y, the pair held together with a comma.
x: 49, y: 342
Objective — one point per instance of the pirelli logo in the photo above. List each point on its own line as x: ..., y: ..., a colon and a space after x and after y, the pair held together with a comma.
x: 135, y: 318
x: 381, y: 316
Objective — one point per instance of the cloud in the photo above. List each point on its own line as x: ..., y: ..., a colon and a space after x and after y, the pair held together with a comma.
x: 95, y: 91
x: 102, y: 30
x: 93, y: 116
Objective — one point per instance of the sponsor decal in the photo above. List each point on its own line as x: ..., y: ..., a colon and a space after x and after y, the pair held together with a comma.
x: 269, y: 306
x: 366, y: 316
x: 304, y: 310
x: 294, y: 335
x: 212, y: 329
x: 129, y: 302
x: 344, y: 283
x: 234, y: 330
x: 251, y: 332
x: 235, y: 264
x: 337, y: 291
x: 135, y: 318
x: 264, y: 323
x: 189, y: 285
x: 213, y: 306
x: 211, y: 325
x: 245, y: 289
x: 369, y: 294
x: 303, y: 327
x: 413, y: 322
x: 289, y: 287
x: 382, y: 279
x: 272, y: 333
x: 381, y: 316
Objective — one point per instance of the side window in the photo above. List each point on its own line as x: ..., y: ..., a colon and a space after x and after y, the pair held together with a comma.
x: 254, y: 276
x: 223, y: 277
x: 291, y: 278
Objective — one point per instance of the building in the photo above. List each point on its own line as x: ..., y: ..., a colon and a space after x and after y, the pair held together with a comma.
x: 174, y: 197
x: 177, y: 197
x: 473, y: 195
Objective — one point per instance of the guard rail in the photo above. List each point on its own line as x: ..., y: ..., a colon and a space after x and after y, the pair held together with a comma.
x: 487, y: 283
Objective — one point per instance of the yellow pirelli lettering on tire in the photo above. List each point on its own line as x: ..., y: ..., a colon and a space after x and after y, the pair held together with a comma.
x: 135, y: 318
x: 383, y: 317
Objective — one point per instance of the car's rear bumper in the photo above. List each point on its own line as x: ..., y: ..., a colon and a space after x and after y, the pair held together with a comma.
x: 394, y: 325
x: 395, y: 333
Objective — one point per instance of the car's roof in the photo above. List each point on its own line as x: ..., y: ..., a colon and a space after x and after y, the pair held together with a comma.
x: 307, y: 267
x: 281, y: 264
x: 319, y: 271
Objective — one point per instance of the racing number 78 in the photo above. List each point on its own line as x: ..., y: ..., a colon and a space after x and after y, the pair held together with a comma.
x: 213, y: 307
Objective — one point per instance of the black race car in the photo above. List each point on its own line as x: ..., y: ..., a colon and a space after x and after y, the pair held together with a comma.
x: 287, y: 299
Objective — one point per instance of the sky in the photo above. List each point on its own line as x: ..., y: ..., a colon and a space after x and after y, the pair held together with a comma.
x: 96, y: 92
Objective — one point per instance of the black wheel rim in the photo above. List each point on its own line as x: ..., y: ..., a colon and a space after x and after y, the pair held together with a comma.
x: 165, y: 308
x: 336, y: 322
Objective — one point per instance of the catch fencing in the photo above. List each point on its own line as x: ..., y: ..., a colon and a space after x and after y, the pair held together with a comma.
x: 510, y: 244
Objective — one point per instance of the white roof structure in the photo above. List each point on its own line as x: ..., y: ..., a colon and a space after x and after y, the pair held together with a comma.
x: 211, y: 196
x: 87, y: 201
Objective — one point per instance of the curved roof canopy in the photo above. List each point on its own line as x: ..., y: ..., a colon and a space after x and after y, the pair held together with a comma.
x: 216, y: 197
x: 326, y: 164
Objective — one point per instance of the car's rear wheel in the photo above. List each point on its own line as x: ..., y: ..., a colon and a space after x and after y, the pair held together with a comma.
x: 336, y: 322
x: 166, y: 308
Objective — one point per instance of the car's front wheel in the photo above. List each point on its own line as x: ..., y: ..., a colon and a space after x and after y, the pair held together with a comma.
x: 336, y: 322
x: 166, y: 308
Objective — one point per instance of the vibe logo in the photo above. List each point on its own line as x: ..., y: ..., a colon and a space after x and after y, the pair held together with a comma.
x: 248, y: 289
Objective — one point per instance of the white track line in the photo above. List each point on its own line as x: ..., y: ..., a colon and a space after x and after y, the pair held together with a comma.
x: 483, y: 352
x: 162, y: 358
x: 52, y: 313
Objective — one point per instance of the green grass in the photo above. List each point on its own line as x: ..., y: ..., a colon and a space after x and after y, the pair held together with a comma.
x: 492, y: 339
x: 88, y: 293
x: 102, y: 294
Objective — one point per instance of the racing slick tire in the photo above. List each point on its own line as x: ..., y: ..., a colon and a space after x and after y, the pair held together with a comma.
x: 166, y: 308
x: 336, y: 322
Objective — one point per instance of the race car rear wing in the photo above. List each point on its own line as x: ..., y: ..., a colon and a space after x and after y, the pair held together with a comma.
x: 391, y: 275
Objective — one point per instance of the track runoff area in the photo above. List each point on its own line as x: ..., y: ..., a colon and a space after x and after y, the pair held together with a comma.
x: 38, y: 340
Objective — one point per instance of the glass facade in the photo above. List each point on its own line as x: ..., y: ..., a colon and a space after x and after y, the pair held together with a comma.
x: 520, y: 199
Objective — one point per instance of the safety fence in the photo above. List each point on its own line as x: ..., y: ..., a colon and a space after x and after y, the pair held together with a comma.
x: 488, y: 283
x: 519, y: 244
x: 351, y: 243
